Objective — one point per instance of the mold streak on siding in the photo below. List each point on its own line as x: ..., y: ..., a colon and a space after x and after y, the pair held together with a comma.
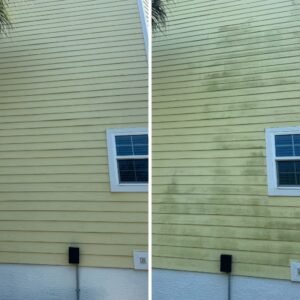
x: 68, y: 71
x: 222, y: 73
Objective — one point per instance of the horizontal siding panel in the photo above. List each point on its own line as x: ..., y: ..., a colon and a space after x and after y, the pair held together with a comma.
x: 212, y: 154
x: 269, y: 119
x: 113, y: 36
x: 97, y: 196
x: 76, y: 50
x: 61, y: 122
x: 55, y: 186
x: 216, y: 146
x: 52, y: 169
x: 76, y: 215
x: 66, y: 80
x: 265, y: 271
x: 215, y: 106
x: 206, y: 180
x: 55, y: 146
x: 210, y: 129
x: 193, y: 162
x: 72, y: 226
x: 70, y: 105
x: 71, y: 95
x: 86, y: 238
x: 212, y: 170
x: 216, y: 98
x: 239, y: 200
x: 61, y: 248
x: 229, y: 244
x: 207, y: 137
x: 233, y: 221
x: 86, y: 70
x: 65, y: 60
x: 38, y: 115
x: 289, y: 235
x: 61, y: 259
x: 239, y: 256
x: 76, y: 207
x: 55, y: 178
x: 54, y: 154
x: 233, y: 210
x: 254, y: 13
x: 243, y: 63
x: 216, y: 189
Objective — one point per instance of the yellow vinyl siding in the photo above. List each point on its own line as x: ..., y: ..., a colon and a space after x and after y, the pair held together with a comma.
x: 68, y: 71
x: 222, y: 73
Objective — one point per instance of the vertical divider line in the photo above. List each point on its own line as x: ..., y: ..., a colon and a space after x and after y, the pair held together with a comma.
x: 149, y: 51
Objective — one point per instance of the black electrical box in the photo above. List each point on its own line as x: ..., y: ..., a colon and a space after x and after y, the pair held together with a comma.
x: 225, y: 263
x: 73, y: 255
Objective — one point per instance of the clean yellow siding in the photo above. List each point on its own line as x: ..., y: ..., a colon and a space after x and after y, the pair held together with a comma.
x: 223, y: 72
x: 68, y: 71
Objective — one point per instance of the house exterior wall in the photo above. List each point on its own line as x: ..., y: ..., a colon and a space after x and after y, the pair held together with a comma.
x: 222, y: 73
x: 69, y: 70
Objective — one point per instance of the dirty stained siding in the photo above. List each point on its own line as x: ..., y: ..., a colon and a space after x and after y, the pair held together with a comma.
x: 69, y: 70
x: 223, y: 72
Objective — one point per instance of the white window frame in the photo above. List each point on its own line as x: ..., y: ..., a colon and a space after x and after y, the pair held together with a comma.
x: 273, y: 188
x: 115, y: 185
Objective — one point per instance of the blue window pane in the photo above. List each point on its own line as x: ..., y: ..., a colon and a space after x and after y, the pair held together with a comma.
x: 284, y: 145
x: 297, y: 150
x: 140, y: 144
x: 296, y: 139
x: 284, y: 151
x: 124, y: 145
x: 140, y: 150
x: 127, y: 176
x: 141, y: 164
x: 287, y: 145
x: 132, y: 145
x: 123, y: 140
x: 133, y: 170
x: 140, y: 139
x: 287, y: 179
x: 124, y: 150
x: 126, y: 164
x: 298, y: 178
x: 288, y: 173
x: 142, y: 176
x: 283, y: 139
x: 285, y: 166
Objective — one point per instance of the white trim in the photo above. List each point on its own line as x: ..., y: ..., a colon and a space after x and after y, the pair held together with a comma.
x: 273, y: 188
x: 115, y: 186
x: 144, y: 23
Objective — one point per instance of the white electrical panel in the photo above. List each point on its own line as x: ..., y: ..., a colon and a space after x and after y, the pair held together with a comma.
x: 295, y: 270
x: 140, y: 259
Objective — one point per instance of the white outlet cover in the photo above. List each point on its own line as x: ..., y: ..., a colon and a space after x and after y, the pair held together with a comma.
x: 140, y: 260
x: 295, y: 270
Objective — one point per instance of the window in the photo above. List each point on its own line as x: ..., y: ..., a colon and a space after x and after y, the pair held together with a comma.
x: 283, y: 161
x: 128, y: 159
